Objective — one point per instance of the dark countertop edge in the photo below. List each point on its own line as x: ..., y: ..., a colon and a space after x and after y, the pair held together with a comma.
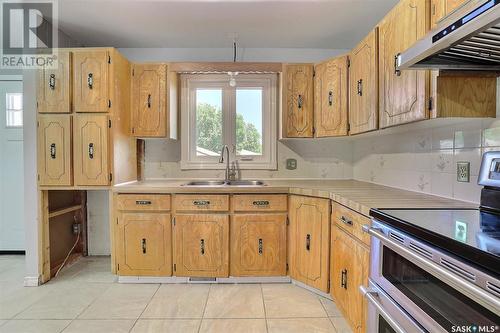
x: 475, y: 257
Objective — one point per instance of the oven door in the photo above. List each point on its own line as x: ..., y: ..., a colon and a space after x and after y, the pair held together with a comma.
x: 436, y: 298
x: 385, y: 315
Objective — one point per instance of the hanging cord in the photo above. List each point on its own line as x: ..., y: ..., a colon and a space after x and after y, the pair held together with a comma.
x: 67, y: 257
x: 234, y: 51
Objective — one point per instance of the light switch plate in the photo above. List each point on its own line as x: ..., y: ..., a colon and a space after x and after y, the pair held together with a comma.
x: 291, y: 164
x: 463, y: 172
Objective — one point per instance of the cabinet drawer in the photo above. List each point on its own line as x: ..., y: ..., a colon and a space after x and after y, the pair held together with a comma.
x: 350, y: 221
x: 260, y: 202
x: 135, y: 202
x: 200, y: 202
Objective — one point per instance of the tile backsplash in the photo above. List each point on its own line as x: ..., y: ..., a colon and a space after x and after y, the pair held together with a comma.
x: 425, y: 160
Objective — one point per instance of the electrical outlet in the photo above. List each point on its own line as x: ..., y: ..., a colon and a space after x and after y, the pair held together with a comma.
x: 76, y: 228
x: 291, y: 164
x: 463, y: 172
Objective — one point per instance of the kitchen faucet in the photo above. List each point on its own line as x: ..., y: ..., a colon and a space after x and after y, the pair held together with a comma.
x: 229, y: 173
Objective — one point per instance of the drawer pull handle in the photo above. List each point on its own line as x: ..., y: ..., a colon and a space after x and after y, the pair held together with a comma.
x: 344, y: 220
x: 343, y: 279
x: 261, y: 203
x: 90, y: 80
x: 397, y: 72
x: 330, y: 98
x: 261, y: 246
x: 308, y: 242
x: 300, y: 101
x: 52, y: 81
x: 91, y: 150
x: 53, y: 151
x: 143, y: 202
x: 149, y: 101
x: 202, y: 246
x: 143, y: 244
x: 201, y: 202
x: 360, y: 87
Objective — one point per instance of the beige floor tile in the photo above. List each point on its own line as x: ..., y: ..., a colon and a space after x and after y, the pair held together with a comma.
x: 300, y: 325
x: 166, y: 326
x: 100, y: 326
x: 15, y: 299
x: 2, y: 322
x: 289, y: 301
x: 121, y: 301
x: 331, y: 308
x: 341, y: 325
x: 34, y: 326
x: 63, y: 302
x: 178, y: 301
x: 235, y: 301
x: 233, y: 326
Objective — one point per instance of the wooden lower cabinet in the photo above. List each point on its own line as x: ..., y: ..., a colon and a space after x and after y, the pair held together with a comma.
x: 309, y: 241
x: 258, y: 245
x: 349, y: 269
x: 144, y: 243
x: 201, y: 245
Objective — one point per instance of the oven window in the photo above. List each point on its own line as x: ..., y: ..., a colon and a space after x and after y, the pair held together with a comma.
x: 383, y: 326
x: 445, y: 305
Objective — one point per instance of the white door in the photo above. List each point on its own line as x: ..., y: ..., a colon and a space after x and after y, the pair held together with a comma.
x: 11, y: 165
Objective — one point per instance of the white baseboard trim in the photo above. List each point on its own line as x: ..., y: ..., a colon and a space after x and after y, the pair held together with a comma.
x: 177, y: 279
x: 311, y: 289
x: 31, y: 281
x: 152, y: 279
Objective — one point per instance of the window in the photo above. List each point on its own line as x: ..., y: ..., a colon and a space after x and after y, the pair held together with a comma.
x: 14, y: 110
x: 243, y: 117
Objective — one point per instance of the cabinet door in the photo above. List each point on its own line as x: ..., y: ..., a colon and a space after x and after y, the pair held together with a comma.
x: 144, y: 244
x: 363, y: 82
x: 441, y: 8
x: 403, y: 94
x: 202, y: 245
x: 330, y: 98
x: 91, y: 150
x: 298, y: 101
x: 149, y: 105
x: 54, y: 150
x: 310, y: 241
x: 258, y: 245
x: 54, y: 86
x: 91, y: 88
x: 350, y: 262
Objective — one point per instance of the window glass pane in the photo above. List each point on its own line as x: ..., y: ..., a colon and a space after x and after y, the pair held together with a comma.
x: 249, y: 121
x: 14, y: 109
x: 208, y: 122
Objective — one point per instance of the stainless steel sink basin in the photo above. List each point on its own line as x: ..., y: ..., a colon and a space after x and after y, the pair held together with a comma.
x: 223, y: 183
x: 245, y: 183
x: 206, y: 183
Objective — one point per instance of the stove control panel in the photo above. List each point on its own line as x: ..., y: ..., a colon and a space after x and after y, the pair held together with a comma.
x: 489, y: 175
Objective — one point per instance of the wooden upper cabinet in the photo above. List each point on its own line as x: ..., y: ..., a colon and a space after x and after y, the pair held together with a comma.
x: 441, y: 8
x: 403, y: 94
x: 310, y: 241
x: 54, y: 86
x: 149, y: 100
x: 91, y: 81
x: 298, y: 100
x: 363, y: 85
x: 258, y: 245
x: 91, y: 146
x: 144, y: 244
x: 330, y: 98
x: 54, y: 150
x: 202, y: 245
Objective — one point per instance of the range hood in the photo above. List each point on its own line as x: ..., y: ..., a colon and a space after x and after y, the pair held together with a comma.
x: 468, y: 39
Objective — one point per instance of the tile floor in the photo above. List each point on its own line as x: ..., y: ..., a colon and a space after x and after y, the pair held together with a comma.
x: 86, y: 298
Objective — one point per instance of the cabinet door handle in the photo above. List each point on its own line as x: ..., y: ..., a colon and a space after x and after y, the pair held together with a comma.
x: 202, y: 246
x: 343, y: 279
x: 149, y: 101
x: 330, y: 98
x: 261, y: 246
x: 143, y: 244
x: 261, y: 203
x: 344, y: 220
x: 397, y: 72
x: 308, y: 242
x: 91, y: 150
x: 360, y: 87
x: 300, y: 101
x: 52, y: 81
x: 53, y: 151
x: 143, y: 202
x: 90, y: 80
x: 201, y: 202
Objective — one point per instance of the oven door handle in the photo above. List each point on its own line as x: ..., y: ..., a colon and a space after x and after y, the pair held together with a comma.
x: 371, y: 295
x: 472, y: 291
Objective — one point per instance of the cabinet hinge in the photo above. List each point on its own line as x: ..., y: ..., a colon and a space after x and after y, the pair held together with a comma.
x: 328, y: 285
x: 110, y: 177
x: 38, y: 177
x: 348, y: 63
x: 116, y: 220
x: 287, y: 220
x: 287, y: 267
x: 109, y: 103
x: 348, y: 128
x: 175, y: 267
x: 37, y: 124
x: 117, y: 267
x: 109, y: 123
x: 173, y: 221
x: 133, y: 130
x: 314, y: 73
x: 133, y: 71
x: 431, y: 103
x: 37, y: 105
x: 109, y: 59
x: 314, y: 130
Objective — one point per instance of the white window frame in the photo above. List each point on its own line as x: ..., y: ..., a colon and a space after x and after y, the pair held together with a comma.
x: 9, y: 112
x: 191, y: 82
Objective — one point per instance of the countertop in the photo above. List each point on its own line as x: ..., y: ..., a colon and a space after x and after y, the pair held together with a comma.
x: 357, y: 195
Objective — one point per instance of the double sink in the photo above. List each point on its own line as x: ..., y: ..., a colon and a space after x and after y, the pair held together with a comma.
x: 225, y: 183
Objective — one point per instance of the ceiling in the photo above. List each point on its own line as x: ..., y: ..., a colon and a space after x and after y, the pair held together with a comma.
x: 333, y: 24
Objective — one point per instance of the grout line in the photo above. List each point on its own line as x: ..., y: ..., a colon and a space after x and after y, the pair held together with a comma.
x: 151, y: 298
x: 323, y: 306
x: 264, y: 305
x: 205, y: 307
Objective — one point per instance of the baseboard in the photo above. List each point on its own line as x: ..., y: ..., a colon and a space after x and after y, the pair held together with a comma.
x: 177, y: 279
x: 311, y: 289
x: 12, y: 252
x: 152, y: 279
x: 31, y: 281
